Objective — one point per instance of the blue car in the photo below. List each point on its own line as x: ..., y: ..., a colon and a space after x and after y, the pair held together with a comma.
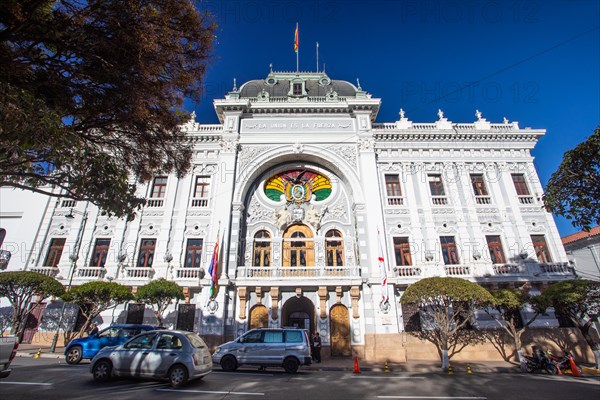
x: 114, y: 335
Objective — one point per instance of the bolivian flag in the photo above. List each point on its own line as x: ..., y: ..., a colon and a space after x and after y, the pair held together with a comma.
x: 296, y: 40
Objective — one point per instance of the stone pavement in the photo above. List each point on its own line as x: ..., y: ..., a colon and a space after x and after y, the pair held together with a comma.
x: 346, y: 363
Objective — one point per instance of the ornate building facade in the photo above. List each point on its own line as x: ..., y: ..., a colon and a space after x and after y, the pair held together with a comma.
x: 305, y: 193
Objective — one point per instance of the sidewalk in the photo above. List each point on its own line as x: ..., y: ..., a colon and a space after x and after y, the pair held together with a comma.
x: 347, y: 363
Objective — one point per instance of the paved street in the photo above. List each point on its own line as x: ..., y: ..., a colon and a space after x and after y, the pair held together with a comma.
x: 47, y: 379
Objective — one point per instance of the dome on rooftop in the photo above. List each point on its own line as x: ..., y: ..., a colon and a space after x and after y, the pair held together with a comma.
x: 279, y: 84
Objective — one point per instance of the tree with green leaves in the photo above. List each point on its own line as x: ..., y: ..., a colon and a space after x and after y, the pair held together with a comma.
x: 573, y: 191
x: 20, y: 288
x: 96, y: 297
x: 507, y: 306
x: 92, y: 93
x: 578, y: 300
x: 447, y: 305
x: 159, y: 294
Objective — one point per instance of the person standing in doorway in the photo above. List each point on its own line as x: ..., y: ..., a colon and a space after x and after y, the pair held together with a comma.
x: 317, y: 346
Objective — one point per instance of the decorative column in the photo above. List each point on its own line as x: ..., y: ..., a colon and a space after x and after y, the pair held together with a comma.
x: 322, y: 293
x: 243, y: 295
x: 274, y: 303
x: 355, y: 296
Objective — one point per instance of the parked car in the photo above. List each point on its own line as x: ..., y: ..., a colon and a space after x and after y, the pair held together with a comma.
x: 177, y: 356
x: 267, y: 347
x: 114, y: 335
x: 8, y: 351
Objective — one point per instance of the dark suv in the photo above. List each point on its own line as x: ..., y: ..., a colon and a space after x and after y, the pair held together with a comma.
x: 114, y: 335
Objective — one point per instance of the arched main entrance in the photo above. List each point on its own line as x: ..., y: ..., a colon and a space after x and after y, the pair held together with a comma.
x: 339, y: 318
x: 299, y: 312
x: 259, y: 317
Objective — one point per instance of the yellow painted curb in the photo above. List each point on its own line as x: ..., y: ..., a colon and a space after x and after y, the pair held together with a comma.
x: 591, y: 370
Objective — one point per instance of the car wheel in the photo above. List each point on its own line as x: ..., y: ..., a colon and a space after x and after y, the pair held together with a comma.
x: 178, y: 375
x: 74, y: 355
x: 229, y: 363
x: 291, y: 365
x: 102, y: 371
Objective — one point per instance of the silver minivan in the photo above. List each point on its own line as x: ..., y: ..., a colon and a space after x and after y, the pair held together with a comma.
x: 268, y: 347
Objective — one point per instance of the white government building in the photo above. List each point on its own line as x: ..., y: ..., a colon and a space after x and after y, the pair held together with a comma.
x: 298, y: 181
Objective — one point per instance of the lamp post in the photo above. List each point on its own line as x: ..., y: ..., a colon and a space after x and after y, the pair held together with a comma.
x: 73, y: 257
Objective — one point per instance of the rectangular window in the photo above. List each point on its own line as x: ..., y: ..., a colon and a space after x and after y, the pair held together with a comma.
x: 297, y: 89
x: 392, y: 185
x: 193, y: 253
x: 146, y: 255
x: 520, y: 184
x: 478, y: 183
x: 201, y: 187
x: 100, y: 253
x: 495, y: 248
x: 273, y: 337
x: 159, y: 187
x: 402, y: 251
x: 541, y: 248
x: 449, y: 250
x: 435, y: 185
x: 54, y: 252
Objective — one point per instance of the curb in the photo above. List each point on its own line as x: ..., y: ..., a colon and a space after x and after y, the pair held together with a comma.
x: 43, y: 355
x: 591, y: 370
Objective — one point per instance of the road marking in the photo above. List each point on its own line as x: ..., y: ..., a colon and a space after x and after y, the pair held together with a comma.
x: 210, y: 392
x: 28, y: 383
x: 432, y: 397
x: 384, y: 377
x: 242, y: 373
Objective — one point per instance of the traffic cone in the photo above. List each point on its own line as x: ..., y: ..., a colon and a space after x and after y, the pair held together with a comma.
x: 574, y: 369
x: 450, y: 370
x: 39, y: 352
x: 356, y: 366
x: 469, y: 369
x: 386, y: 368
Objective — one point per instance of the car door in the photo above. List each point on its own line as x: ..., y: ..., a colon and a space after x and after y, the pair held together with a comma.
x: 274, y: 347
x: 252, y: 348
x: 106, y: 337
x: 160, y: 358
x: 128, y: 360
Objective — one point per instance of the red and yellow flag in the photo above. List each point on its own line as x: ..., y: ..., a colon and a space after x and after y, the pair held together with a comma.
x: 296, y: 40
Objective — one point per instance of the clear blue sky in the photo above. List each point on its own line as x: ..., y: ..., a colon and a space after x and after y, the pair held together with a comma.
x: 535, y: 62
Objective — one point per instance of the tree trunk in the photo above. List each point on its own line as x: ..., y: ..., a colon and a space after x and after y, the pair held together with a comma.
x: 445, y: 359
x: 518, y: 347
x: 585, y: 331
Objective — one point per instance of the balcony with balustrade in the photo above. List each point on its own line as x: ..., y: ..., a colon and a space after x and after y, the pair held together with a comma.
x: 4, y: 259
x: 91, y: 272
x: 557, y: 268
x: 507, y: 269
x: 142, y: 273
x: 439, y: 200
x: 48, y: 271
x: 396, y: 201
x: 457, y: 270
x: 298, y: 272
x: 189, y: 273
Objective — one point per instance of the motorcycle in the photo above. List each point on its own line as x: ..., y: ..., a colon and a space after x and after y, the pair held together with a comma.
x: 540, y: 362
x: 564, y: 362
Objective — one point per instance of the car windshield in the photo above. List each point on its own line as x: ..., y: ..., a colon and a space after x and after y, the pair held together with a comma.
x: 195, y: 340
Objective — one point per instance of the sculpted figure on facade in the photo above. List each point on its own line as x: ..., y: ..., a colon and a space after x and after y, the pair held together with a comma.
x: 283, y: 218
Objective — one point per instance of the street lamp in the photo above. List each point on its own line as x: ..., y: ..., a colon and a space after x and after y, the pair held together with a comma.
x: 73, y: 257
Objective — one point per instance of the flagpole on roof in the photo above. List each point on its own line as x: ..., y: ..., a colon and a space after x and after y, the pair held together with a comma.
x: 296, y: 47
x: 317, y: 56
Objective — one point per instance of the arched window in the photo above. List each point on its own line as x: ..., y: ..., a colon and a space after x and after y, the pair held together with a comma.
x: 262, y: 249
x: 334, y: 245
x: 2, y: 235
x: 298, y: 247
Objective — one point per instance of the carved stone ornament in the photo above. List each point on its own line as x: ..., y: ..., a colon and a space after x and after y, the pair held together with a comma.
x: 249, y: 153
x: 205, y: 169
x: 366, y: 144
x: 212, y: 306
x: 229, y: 146
x: 348, y: 153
